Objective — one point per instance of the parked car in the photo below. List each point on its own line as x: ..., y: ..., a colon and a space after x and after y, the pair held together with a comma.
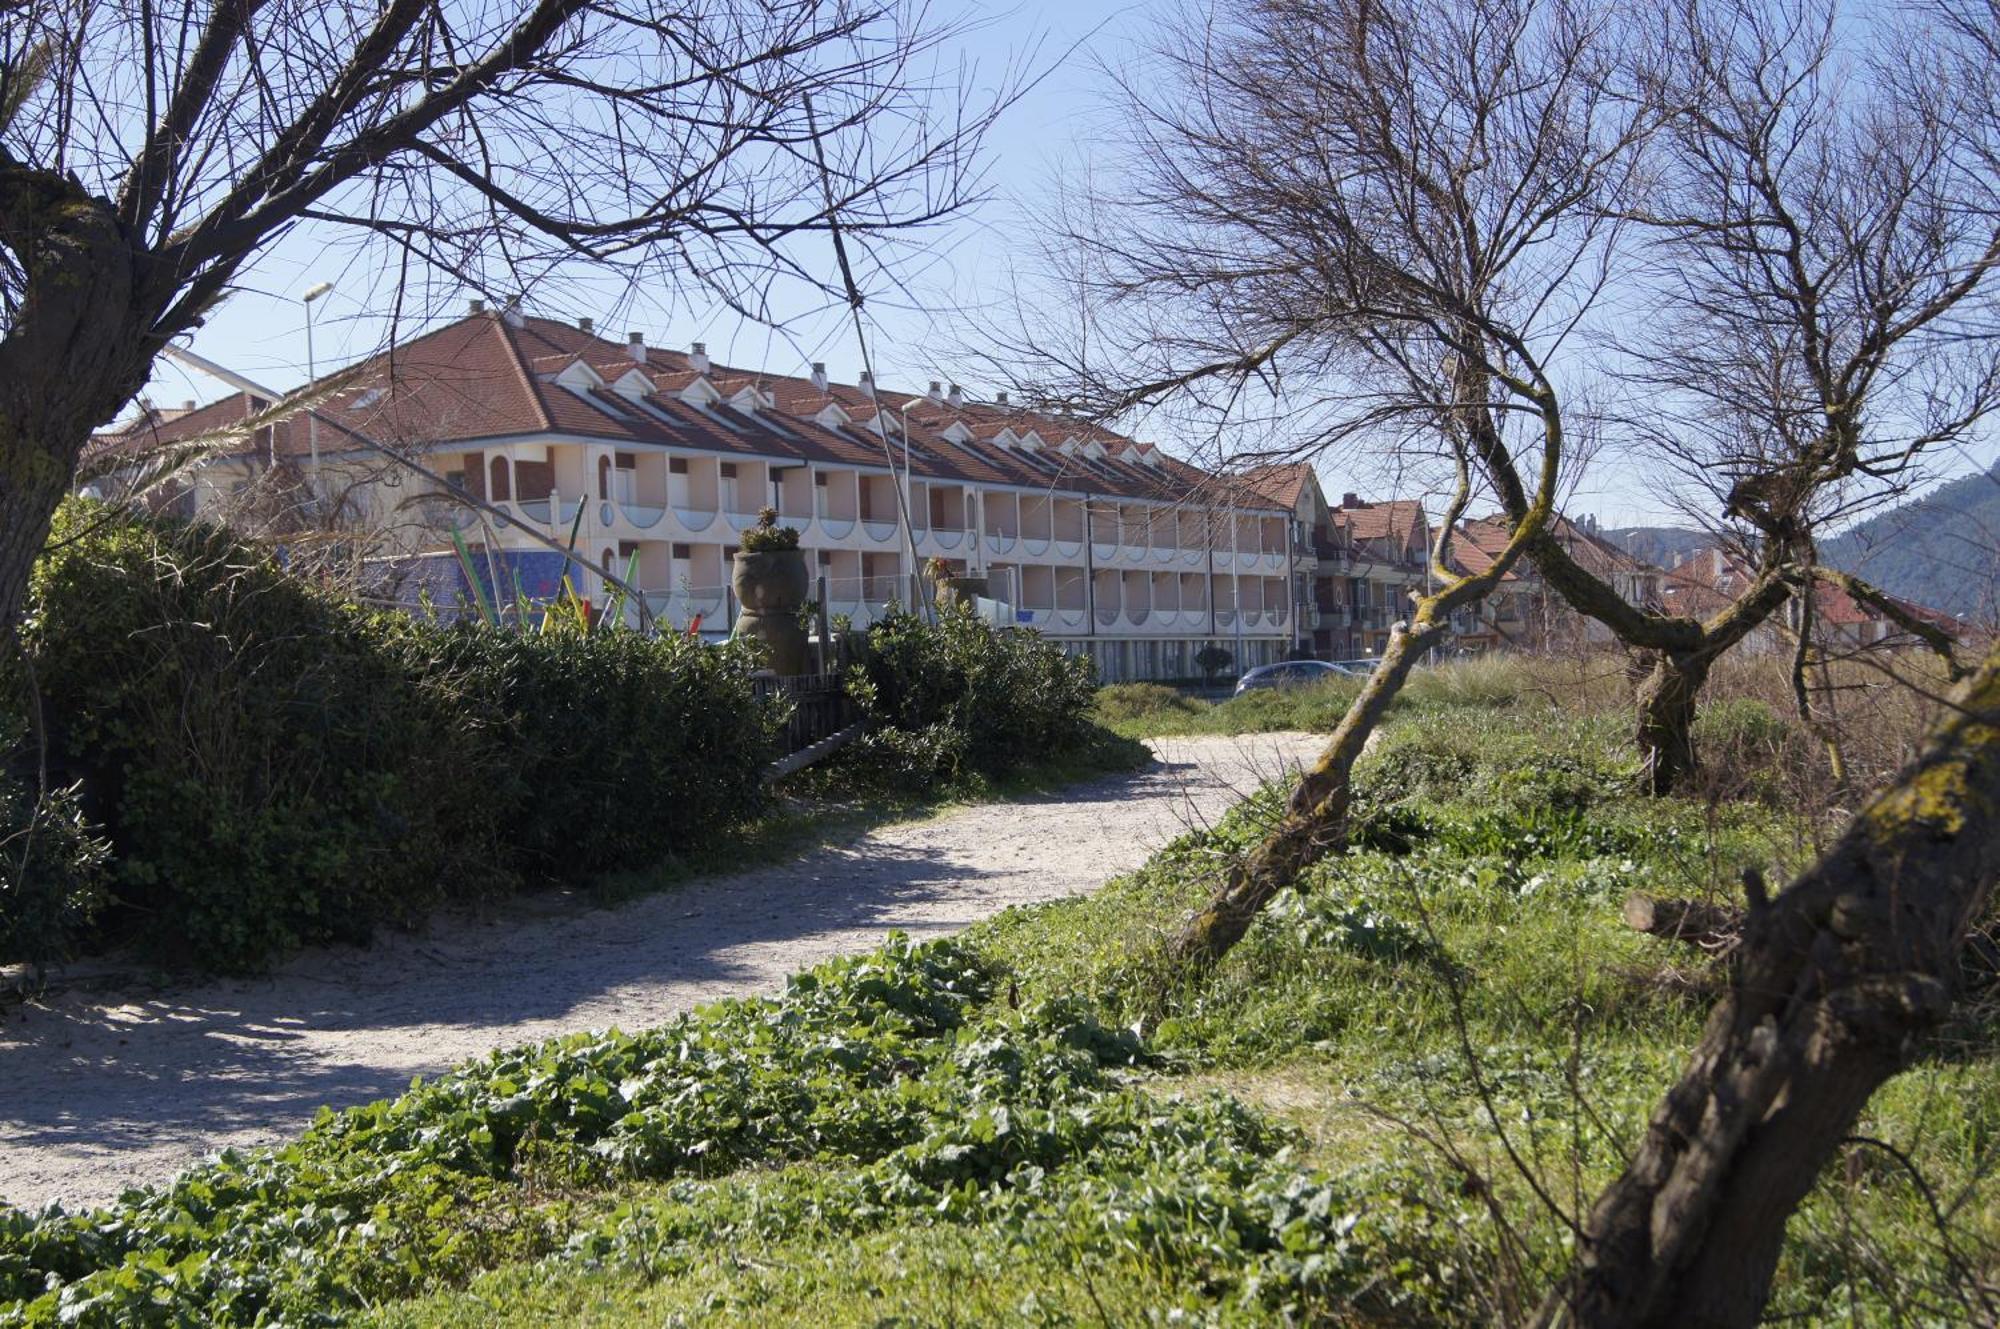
x: 1294, y: 673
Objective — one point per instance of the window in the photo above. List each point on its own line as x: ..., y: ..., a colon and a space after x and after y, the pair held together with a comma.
x: 729, y: 470
x: 604, y: 477
x: 677, y: 466
x: 819, y: 478
x: 683, y: 551
x: 625, y: 461
x: 589, y: 398
x: 497, y: 484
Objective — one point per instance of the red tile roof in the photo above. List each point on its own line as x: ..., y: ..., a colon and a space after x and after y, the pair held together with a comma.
x: 1477, y: 545
x: 485, y: 378
x: 1281, y: 482
x: 1400, y: 520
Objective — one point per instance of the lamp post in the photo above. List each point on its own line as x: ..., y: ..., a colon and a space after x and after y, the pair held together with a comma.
x: 306, y: 298
x: 909, y: 527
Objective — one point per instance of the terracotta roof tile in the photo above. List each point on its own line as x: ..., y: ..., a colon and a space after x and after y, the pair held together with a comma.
x: 483, y: 378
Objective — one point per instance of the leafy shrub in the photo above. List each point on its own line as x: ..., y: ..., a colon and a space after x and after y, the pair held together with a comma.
x: 619, y: 749
x: 767, y: 536
x: 958, y: 698
x: 1746, y: 747
x: 276, y: 766
x: 269, y: 773
x: 52, y: 862
x: 1212, y: 660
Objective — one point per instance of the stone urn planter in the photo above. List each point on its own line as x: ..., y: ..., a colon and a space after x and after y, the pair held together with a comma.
x: 771, y: 586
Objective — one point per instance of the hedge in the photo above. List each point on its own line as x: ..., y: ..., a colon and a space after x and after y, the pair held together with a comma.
x: 274, y: 765
x: 956, y: 699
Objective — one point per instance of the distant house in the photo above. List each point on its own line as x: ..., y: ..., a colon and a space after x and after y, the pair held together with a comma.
x: 1357, y: 564
x: 1522, y: 613
x: 1843, y: 625
x: 1706, y: 582
x: 1390, y: 564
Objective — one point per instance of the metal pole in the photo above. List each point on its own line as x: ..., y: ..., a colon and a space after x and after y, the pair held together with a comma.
x: 825, y: 627
x: 311, y: 294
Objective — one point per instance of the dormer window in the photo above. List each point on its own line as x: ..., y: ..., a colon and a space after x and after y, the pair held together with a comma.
x: 366, y: 398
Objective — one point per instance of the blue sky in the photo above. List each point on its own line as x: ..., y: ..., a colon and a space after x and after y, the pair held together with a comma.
x: 260, y: 330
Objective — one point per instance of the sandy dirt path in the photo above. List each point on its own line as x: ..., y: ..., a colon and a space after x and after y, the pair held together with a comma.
x: 100, y: 1091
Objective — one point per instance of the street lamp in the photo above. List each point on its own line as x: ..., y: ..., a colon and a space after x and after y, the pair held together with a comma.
x: 909, y: 526
x: 306, y: 298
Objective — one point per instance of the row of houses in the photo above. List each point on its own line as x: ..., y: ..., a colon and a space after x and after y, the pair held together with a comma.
x: 652, y: 461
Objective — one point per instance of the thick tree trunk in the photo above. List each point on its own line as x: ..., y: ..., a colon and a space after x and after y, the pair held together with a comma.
x: 74, y: 354
x: 1832, y: 987
x: 1666, y: 717
x: 1315, y: 818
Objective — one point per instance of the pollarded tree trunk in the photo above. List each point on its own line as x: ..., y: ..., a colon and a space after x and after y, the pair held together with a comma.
x: 71, y: 358
x: 1315, y: 817
x: 1666, y: 702
x: 1832, y: 987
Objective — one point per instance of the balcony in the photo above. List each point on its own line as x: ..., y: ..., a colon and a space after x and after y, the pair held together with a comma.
x: 552, y: 511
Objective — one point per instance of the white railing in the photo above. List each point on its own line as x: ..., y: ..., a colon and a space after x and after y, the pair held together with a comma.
x: 642, y: 515
x: 553, y: 511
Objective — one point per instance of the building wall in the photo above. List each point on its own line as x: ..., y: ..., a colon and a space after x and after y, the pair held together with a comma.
x: 1090, y: 573
x: 1131, y: 661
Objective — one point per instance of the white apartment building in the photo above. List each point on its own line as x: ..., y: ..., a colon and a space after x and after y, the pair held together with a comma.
x: 659, y: 460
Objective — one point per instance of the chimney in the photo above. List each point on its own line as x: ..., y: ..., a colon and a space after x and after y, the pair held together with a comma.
x: 475, y: 306
x: 867, y: 382
x: 1718, y: 563
x: 1350, y: 500
x: 635, y: 346
x: 187, y: 406
x: 999, y: 399
x: 584, y: 325
x: 512, y: 312
x: 819, y: 379
x: 698, y: 357
x: 936, y: 393
x: 954, y: 398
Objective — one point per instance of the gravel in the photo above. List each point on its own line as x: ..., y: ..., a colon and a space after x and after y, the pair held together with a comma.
x: 112, y: 1087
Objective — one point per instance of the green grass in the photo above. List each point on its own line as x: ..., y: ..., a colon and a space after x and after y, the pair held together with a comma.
x: 974, y: 1132
x: 1148, y: 710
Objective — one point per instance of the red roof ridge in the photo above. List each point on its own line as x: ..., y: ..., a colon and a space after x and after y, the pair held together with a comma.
x: 518, y: 358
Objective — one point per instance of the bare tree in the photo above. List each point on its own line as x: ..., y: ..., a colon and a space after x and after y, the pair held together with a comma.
x: 1383, y: 221
x: 1823, y: 237
x: 1831, y: 989
x: 150, y: 149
